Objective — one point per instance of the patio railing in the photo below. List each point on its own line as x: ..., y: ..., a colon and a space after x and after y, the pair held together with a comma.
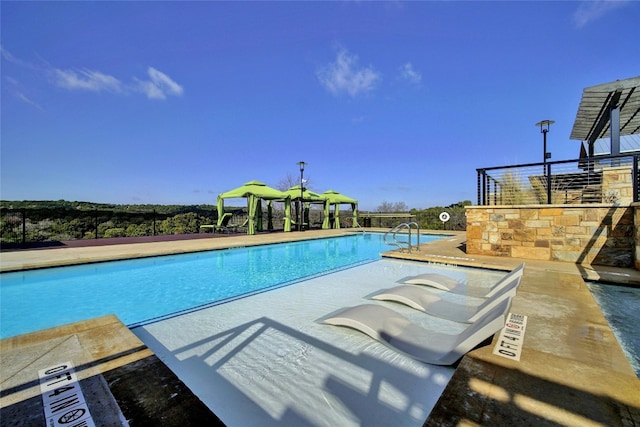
x: 31, y: 225
x: 603, y: 179
x: 21, y: 227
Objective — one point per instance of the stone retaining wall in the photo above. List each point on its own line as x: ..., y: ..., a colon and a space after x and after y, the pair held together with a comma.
x: 617, y: 185
x: 598, y: 234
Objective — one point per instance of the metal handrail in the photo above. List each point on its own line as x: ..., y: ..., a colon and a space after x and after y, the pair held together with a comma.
x: 417, y: 234
x: 395, y: 242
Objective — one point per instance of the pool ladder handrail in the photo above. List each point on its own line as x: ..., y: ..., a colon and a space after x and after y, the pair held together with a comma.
x: 401, y: 244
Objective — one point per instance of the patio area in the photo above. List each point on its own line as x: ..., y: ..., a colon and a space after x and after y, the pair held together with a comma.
x: 572, y: 370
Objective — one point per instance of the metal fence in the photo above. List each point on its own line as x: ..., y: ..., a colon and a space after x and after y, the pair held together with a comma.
x: 26, y: 226
x: 34, y: 225
x: 603, y: 179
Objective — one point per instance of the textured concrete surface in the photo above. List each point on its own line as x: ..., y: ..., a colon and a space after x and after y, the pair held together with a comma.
x: 572, y: 371
x: 120, y: 378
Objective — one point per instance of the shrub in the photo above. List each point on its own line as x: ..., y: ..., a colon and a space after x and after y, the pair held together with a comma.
x: 114, y: 232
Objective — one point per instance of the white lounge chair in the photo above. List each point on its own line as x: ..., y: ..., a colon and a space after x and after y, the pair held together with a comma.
x: 449, y: 284
x: 424, y: 299
x: 398, y: 332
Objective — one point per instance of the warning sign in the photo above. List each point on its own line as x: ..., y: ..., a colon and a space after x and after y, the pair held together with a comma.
x: 511, y: 337
x: 64, y: 403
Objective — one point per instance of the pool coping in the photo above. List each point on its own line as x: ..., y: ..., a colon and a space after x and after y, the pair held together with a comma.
x: 119, y: 376
x: 572, y: 368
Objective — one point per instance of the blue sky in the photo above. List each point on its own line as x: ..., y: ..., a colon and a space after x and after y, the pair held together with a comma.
x: 175, y: 102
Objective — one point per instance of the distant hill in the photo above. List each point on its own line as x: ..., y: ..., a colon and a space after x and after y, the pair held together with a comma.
x: 77, y: 205
x: 28, y: 221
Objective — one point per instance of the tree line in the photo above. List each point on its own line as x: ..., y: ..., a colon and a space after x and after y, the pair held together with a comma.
x: 429, y: 218
x: 43, y: 221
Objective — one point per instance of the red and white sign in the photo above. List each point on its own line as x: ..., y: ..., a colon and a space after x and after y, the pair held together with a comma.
x: 64, y: 403
x: 511, y: 337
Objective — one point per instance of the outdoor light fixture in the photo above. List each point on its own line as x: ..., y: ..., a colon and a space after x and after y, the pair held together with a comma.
x: 301, y: 208
x: 544, y: 128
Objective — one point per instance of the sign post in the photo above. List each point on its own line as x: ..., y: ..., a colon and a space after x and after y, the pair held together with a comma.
x: 444, y: 217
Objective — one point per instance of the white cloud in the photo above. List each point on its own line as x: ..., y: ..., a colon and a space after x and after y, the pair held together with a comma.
x: 159, y: 86
x: 410, y: 75
x: 14, y: 88
x: 589, y: 11
x: 22, y: 97
x: 152, y: 91
x: 93, y: 81
x: 344, y: 75
x: 9, y: 57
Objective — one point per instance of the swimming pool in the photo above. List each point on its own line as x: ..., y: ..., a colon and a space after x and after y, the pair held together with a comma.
x: 142, y: 290
x: 269, y: 361
x: 619, y: 305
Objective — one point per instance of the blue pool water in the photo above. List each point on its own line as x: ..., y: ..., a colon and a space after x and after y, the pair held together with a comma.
x: 619, y: 305
x: 141, y: 290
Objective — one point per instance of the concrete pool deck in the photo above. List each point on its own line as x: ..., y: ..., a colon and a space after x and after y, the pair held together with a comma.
x: 572, y: 370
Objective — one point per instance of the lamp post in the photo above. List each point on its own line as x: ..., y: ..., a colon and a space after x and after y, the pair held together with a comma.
x: 544, y: 128
x: 301, y: 209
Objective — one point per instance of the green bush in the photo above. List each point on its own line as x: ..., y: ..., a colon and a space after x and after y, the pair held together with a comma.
x: 138, y: 230
x: 114, y: 232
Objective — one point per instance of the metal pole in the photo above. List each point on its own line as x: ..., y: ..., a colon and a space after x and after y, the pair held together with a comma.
x: 479, y: 194
x: 548, y: 173
x: 485, y: 198
x: 300, y: 205
x: 634, y: 176
x: 301, y: 197
x: 544, y: 153
x: 544, y: 128
x: 24, y: 226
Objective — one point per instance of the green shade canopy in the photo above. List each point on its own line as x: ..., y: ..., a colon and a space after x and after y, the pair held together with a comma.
x: 254, y: 188
x: 337, y: 199
x: 307, y: 195
x: 255, y: 191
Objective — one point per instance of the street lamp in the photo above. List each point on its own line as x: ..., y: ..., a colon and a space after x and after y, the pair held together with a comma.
x: 544, y: 128
x: 300, y: 206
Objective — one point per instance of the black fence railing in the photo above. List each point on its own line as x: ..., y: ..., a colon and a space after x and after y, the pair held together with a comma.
x: 25, y: 226
x: 428, y: 219
x: 35, y: 225
x: 384, y: 219
x: 604, y: 179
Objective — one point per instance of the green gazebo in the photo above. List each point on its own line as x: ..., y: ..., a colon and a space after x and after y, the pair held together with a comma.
x: 336, y: 199
x: 308, y: 197
x: 255, y: 191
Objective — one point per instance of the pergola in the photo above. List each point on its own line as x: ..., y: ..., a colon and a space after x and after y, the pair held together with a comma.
x: 307, y: 198
x: 336, y: 199
x: 607, y: 110
x: 255, y: 191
